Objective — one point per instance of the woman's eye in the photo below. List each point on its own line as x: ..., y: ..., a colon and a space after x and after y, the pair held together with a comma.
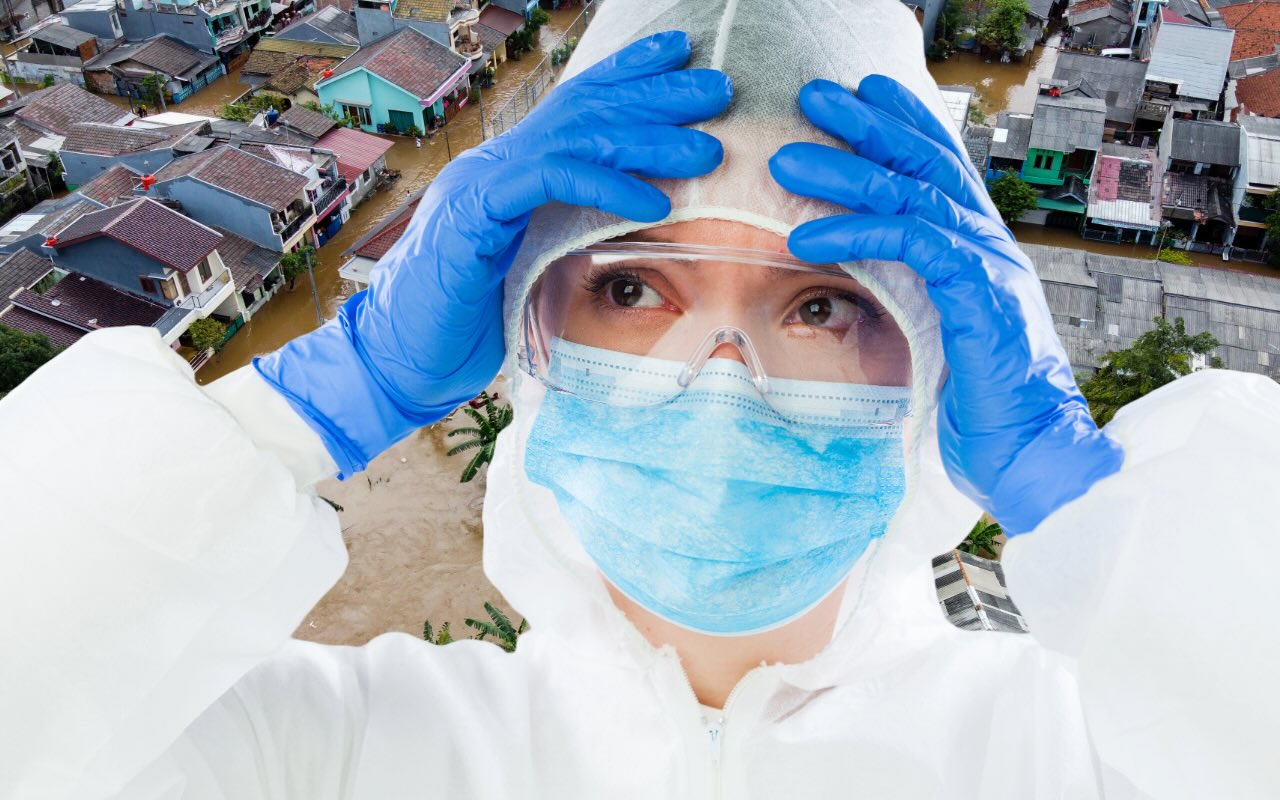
x: 828, y: 312
x: 631, y: 293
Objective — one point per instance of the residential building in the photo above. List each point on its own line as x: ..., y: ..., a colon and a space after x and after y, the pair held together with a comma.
x: 1146, y: 14
x: 403, y: 82
x: 496, y: 24
x: 292, y: 67
x: 306, y: 122
x: 42, y: 120
x: 1009, y: 143
x: 256, y: 198
x: 114, y: 185
x: 1186, y: 75
x: 447, y: 22
x: 32, y: 228
x: 126, y: 69
x: 145, y: 248
x: 1065, y: 138
x: 326, y: 189
x: 329, y: 25
x: 1099, y: 24
x: 13, y: 167
x: 369, y: 249
x: 1202, y: 164
x: 1125, y: 195
x: 255, y: 270
x: 977, y: 143
x: 1257, y: 27
x: 1118, y: 82
x: 55, y: 50
x: 958, y: 100
x: 21, y: 269
x: 90, y: 148
x: 1260, y: 170
x: 103, y: 19
x: 362, y: 159
x: 1258, y: 93
x: 1104, y: 303
x: 65, y: 306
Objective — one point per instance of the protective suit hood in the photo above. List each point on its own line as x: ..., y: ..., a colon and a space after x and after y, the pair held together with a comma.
x: 770, y: 51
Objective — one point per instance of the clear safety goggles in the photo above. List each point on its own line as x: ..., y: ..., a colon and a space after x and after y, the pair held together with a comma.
x: 634, y: 324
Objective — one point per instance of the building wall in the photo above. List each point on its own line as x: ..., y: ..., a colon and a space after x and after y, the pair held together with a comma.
x: 84, y: 167
x: 436, y: 31
x: 372, y: 25
x: 1105, y: 32
x: 190, y: 28
x: 108, y: 260
x: 69, y: 69
x: 96, y: 22
x: 210, y: 206
x: 1049, y: 170
x: 521, y: 7
x: 360, y: 189
x: 932, y: 10
x: 363, y: 88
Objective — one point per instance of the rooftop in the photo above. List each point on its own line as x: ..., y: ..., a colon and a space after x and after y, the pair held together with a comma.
x: 62, y: 36
x: 1011, y: 137
x: 59, y: 334
x: 977, y: 143
x: 957, y: 100
x: 1194, y: 56
x: 58, y: 108
x: 408, y: 59
x: 1205, y: 141
x: 160, y: 53
x: 1257, y: 27
x: 425, y: 10
x: 114, y: 140
x: 1263, y: 146
x: 1126, y: 187
x: 333, y: 24
x: 248, y: 262
x: 239, y: 173
x: 1067, y: 124
x: 143, y: 225
x: 1081, y: 11
x: 378, y: 242
x: 1197, y: 198
x: 20, y: 270
x: 90, y: 304
x: 111, y: 186
x: 312, y: 123
x: 302, y: 47
x: 500, y: 19
x: 1259, y: 94
x: 357, y: 151
x: 1118, y: 82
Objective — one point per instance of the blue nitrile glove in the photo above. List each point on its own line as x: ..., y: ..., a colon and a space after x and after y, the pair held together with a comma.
x: 427, y: 334
x: 1014, y: 430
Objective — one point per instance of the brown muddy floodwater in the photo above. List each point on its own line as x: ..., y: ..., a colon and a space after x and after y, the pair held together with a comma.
x: 413, y: 532
x: 1001, y: 87
x: 207, y: 102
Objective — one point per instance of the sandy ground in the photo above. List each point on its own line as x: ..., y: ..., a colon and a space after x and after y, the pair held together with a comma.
x: 414, y: 537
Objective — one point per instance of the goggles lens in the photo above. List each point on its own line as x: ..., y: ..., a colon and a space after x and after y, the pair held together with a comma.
x: 667, y: 314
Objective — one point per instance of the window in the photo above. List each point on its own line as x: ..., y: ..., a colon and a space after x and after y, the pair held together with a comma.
x: 206, y: 271
x: 358, y: 113
x: 148, y: 285
x: 368, y: 173
x: 1039, y: 161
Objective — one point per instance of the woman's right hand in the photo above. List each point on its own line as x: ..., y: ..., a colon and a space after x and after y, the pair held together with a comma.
x: 427, y: 335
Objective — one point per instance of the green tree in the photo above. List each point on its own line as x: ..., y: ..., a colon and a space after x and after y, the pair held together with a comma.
x: 1012, y: 196
x: 206, y: 334
x: 484, y: 434
x: 20, y: 355
x: 153, y: 89
x: 1001, y: 27
x: 499, y: 627
x: 294, y: 264
x: 441, y: 637
x: 47, y: 81
x: 982, y: 539
x: 1157, y: 357
x: 1272, y: 204
x: 1171, y: 256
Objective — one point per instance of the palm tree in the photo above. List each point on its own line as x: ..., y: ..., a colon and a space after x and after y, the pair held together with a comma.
x: 500, y: 628
x: 485, y: 433
x: 982, y: 538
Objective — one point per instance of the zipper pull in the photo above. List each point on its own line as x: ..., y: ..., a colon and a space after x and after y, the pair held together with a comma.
x: 714, y: 729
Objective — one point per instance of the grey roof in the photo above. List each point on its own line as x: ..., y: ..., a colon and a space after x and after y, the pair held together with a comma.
x: 1066, y: 124
x: 1205, y: 141
x: 1011, y: 135
x: 20, y: 270
x: 330, y: 23
x: 1118, y: 82
x: 977, y: 143
x: 1194, y: 56
x: 1103, y: 303
x: 63, y: 36
x: 1263, y: 150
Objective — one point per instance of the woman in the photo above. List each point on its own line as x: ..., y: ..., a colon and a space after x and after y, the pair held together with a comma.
x: 736, y: 448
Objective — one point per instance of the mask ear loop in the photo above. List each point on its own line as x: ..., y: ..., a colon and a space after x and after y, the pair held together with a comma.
x: 732, y: 336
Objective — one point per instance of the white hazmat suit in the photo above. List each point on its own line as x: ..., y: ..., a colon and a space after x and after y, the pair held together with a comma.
x: 149, y: 583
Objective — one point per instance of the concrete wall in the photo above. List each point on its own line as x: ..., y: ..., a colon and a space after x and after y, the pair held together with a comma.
x: 96, y: 22
x: 521, y: 7
x: 108, y: 260
x: 190, y: 28
x: 210, y: 206
x: 363, y: 88
x: 33, y: 67
x: 373, y: 25
x: 360, y: 189
x: 436, y: 31
x: 84, y: 167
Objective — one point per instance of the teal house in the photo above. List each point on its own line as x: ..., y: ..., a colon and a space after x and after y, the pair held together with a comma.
x: 404, y: 83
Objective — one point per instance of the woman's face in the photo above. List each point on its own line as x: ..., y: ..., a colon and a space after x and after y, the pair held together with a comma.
x: 804, y: 325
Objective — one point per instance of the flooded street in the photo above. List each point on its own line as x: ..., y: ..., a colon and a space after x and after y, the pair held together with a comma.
x: 207, y: 102
x: 1001, y: 87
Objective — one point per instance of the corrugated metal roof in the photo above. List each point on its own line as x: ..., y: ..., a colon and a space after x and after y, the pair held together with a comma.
x: 1206, y: 141
x: 1194, y: 56
x: 1067, y: 124
x: 1263, y: 150
x: 1117, y: 82
x: 977, y: 143
x: 1012, y: 133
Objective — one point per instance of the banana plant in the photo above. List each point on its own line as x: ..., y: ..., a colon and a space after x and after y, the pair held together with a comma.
x: 484, y: 434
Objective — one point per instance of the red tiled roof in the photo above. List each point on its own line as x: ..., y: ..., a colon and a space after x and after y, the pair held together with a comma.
x: 500, y: 19
x: 381, y: 239
x: 90, y: 304
x: 60, y: 107
x: 111, y: 186
x: 1257, y: 27
x: 1172, y: 16
x: 59, y: 334
x: 408, y: 59
x: 356, y: 150
x: 146, y: 226
x: 1260, y: 94
x: 240, y: 173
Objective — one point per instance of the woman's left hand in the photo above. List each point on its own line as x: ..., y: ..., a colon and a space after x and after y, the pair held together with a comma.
x: 1014, y: 430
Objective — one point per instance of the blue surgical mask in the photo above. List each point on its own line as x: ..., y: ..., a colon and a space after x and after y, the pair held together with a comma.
x: 711, y: 510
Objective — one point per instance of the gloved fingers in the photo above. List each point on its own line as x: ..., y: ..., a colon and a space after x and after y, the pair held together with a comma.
x: 651, y: 151
x: 520, y: 186
x: 840, y: 177
x: 652, y: 55
x: 897, y: 101
x: 673, y: 98
x: 884, y: 140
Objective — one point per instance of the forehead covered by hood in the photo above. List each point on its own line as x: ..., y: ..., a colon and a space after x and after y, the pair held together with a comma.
x: 770, y: 50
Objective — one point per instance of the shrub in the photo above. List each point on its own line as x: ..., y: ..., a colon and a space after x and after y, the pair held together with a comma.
x: 206, y: 334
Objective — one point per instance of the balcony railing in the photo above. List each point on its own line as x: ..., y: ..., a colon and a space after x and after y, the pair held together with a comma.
x: 305, y: 218
x: 1153, y: 109
x: 324, y: 201
x: 228, y: 36
x: 1254, y: 213
x: 208, y: 294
